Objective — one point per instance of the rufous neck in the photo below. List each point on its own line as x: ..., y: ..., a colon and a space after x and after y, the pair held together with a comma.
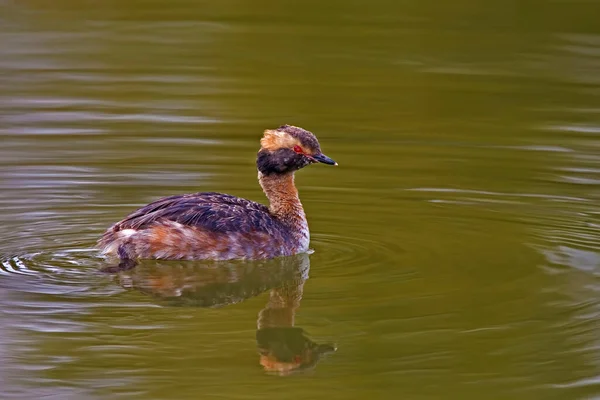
x: 282, y: 194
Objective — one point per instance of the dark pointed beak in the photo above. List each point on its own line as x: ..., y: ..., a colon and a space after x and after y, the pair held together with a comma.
x: 322, y: 158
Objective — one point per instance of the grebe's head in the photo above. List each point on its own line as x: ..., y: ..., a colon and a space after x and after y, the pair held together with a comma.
x: 287, y: 149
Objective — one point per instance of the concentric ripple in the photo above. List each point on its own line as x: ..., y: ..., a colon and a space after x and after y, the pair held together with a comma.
x: 350, y: 255
x: 64, y: 273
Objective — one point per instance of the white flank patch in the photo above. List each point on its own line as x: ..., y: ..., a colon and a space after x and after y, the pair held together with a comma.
x: 112, y: 247
x: 125, y: 233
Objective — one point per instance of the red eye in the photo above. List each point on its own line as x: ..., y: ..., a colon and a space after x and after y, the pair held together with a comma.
x: 298, y: 149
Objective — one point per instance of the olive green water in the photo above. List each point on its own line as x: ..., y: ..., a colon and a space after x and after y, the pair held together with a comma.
x: 456, y: 247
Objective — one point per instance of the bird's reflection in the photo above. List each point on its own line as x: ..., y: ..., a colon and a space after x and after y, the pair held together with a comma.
x: 283, y: 347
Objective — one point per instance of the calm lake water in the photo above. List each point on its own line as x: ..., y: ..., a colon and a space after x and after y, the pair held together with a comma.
x: 456, y: 246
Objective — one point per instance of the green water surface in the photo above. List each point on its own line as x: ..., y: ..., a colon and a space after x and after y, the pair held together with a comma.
x: 456, y: 246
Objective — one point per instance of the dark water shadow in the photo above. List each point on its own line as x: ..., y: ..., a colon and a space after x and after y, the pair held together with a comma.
x: 283, y: 347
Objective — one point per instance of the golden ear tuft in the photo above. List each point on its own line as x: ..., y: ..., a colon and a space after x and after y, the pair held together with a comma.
x: 273, y: 140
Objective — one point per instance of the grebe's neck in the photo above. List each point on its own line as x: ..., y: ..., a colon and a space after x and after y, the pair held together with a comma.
x: 285, y: 205
x: 284, y: 202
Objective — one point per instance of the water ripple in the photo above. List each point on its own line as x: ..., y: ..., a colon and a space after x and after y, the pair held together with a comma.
x: 359, y: 253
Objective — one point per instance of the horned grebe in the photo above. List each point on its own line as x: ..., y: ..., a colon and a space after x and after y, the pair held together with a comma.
x: 215, y: 226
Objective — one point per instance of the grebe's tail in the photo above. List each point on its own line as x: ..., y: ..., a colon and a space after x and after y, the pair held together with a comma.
x: 116, y: 243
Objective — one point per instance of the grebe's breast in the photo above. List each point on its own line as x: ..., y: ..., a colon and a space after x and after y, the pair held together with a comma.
x: 202, y: 226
